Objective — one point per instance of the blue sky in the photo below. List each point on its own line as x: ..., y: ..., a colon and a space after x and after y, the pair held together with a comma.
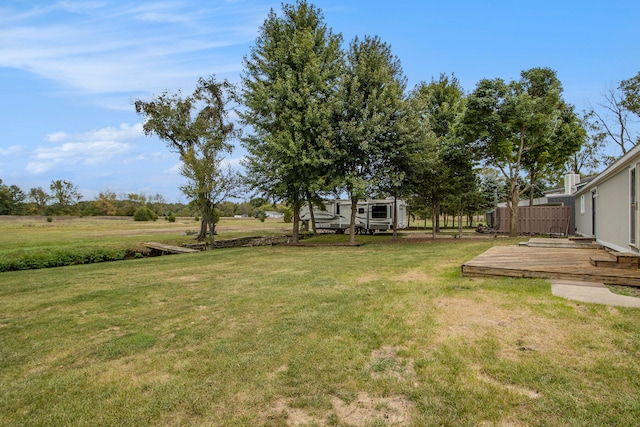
x: 69, y: 70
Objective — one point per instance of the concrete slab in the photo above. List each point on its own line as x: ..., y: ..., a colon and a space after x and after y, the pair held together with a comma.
x: 596, y: 293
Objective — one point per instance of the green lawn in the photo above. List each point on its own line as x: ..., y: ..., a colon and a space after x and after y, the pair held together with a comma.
x: 382, y: 334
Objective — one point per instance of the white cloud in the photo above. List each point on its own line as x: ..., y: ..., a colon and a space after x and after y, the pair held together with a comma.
x: 123, y: 132
x: 88, y: 148
x: 155, y: 156
x: 37, y: 168
x: 56, y: 136
x: 12, y: 150
x: 69, y: 153
x: 111, y: 47
x: 173, y: 170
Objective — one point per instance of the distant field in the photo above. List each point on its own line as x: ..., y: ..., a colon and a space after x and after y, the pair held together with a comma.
x: 21, y: 231
x: 35, y: 237
x: 382, y: 334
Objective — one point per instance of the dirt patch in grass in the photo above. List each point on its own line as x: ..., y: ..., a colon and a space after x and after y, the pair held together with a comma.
x: 293, y: 416
x: 386, y: 363
x: 364, y: 410
x: 516, y: 329
x: 367, y: 410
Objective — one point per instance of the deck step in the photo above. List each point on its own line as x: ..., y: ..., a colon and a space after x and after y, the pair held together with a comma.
x: 626, y: 257
x: 623, y: 260
x: 582, y: 239
x: 538, y: 242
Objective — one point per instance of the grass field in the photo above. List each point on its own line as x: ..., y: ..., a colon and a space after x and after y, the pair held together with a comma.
x: 382, y: 334
x: 74, y: 240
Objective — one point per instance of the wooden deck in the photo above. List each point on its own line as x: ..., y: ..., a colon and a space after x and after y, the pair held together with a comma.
x: 548, y: 263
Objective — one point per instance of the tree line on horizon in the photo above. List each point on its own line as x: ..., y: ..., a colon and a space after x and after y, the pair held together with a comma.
x: 322, y: 120
x: 64, y: 198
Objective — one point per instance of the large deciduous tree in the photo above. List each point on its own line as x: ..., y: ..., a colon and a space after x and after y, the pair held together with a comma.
x: 617, y: 108
x: 513, y: 125
x: 547, y: 156
x: 589, y: 157
x: 11, y: 199
x: 440, y: 165
x: 65, y: 193
x: 106, y: 203
x: 40, y: 198
x: 613, y: 118
x: 371, y: 120
x: 555, y: 134
x: 631, y: 94
x: 208, y: 187
x: 199, y: 129
x: 289, y: 84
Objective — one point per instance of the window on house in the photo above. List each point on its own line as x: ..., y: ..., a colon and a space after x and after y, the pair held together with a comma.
x: 378, y: 211
x: 582, y: 208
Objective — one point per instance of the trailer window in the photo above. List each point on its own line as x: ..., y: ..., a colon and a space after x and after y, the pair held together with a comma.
x: 378, y: 211
x: 337, y: 208
x: 360, y: 210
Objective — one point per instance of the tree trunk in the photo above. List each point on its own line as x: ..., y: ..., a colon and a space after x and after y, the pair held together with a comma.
x: 460, y: 224
x: 212, y: 232
x: 513, y: 222
x: 295, y: 237
x: 352, y: 226
x: 434, y: 219
x: 513, y: 209
x: 395, y: 217
x: 313, y: 215
x: 531, y: 190
x: 204, y: 222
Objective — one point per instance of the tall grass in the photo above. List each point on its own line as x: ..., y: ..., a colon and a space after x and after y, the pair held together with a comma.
x: 373, y: 335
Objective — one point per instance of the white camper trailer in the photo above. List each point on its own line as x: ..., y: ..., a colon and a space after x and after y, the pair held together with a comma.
x: 371, y: 215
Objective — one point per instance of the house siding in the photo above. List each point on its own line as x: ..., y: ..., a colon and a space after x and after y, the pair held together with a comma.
x: 583, y: 216
x: 613, y: 224
x: 612, y: 214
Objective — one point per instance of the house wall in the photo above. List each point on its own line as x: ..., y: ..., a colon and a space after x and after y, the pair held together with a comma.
x: 612, y: 214
x: 612, y: 205
x: 582, y: 214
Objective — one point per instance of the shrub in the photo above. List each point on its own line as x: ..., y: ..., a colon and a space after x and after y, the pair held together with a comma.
x: 144, y: 214
x: 171, y: 217
x: 288, y: 215
x: 60, y: 258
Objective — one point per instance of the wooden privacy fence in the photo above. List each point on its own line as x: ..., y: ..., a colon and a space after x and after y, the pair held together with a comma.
x: 537, y: 220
